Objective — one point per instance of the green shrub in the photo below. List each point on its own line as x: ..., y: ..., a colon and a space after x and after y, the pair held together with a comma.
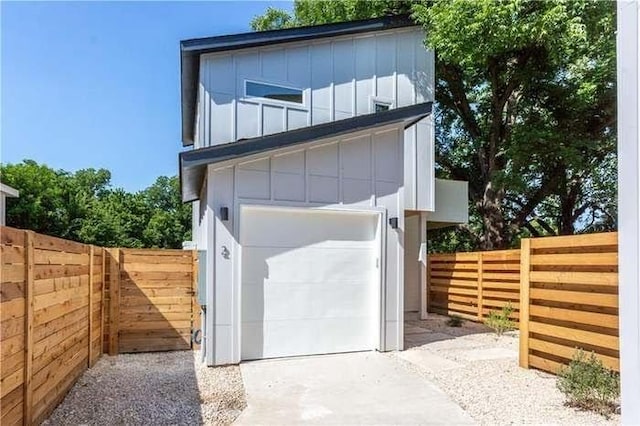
x: 501, y: 321
x: 454, y: 321
x: 588, y: 384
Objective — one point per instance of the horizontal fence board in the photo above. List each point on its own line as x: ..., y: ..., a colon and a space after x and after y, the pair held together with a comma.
x: 454, y: 257
x: 576, y: 335
x: 545, y: 364
x: 573, y: 315
x: 570, y: 259
x: 579, y: 297
x: 576, y: 241
x: 46, y: 242
x: 49, y: 257
x: 609, y: 279
x: 155, y: 259
x: 11, y: 236
x: 472, y: 282
x: 11, y: 254
x: 568, y: 352
x: 12, y: 273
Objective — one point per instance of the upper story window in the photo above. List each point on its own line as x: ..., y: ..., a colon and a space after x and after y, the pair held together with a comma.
x: 380, y: 105
x: 273, y: 91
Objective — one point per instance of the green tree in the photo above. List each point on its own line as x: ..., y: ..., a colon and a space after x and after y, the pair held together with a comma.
x: 82, y: 206
x: 527, y: 100
x: 311, y: 12
x: 525, y: 94
x: 170, y: 221
x: 52, y: 202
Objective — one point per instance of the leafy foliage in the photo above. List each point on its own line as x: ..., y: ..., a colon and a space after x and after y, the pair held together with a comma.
x: 455, y: 321
x: 313, y: 12
x: 501, y: 321
x: 525, y: 109
x: 588, y: 384
x: 527, y: 112
x: 82, y: 206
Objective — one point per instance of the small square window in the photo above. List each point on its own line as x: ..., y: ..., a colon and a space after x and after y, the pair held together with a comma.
x: 381, y: 106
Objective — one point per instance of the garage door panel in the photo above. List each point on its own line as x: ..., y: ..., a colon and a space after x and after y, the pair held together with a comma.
x: 280, y: 301
x: 304, y: 337
x: 309, y: 282
x: 307, y: 265
x: 288, y: 228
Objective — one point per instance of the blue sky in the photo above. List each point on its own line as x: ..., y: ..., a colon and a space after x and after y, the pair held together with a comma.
x: 97, y: 84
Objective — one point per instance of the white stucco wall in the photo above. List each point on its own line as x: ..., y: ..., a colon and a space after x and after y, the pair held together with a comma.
x: 628, y: 57
x: 363, y: 171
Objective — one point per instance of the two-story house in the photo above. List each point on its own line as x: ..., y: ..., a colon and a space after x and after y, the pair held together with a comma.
x: 312, y: 177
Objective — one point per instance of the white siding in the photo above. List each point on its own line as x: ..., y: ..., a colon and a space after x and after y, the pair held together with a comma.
x: 628, y: 58
x: 339, y: 78
x: 361, y: 172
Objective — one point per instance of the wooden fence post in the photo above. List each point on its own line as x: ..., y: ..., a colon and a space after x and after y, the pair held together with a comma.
x: 427, y: 284
x: 91, y: 250
x: 195, y: 306
x: 102, y: 299
x: 29, y: 258
x: 525, y: 269
x: 114, y: 304
x: 480, y: 303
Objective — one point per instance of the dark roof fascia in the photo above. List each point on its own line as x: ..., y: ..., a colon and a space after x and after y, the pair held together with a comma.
x: 193, y: 163
x: 223, y: 43
x: 190, y: 51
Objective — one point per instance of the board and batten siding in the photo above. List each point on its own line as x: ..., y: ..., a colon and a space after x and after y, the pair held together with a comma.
x: 362, y: 171
x: 628, y: 61
x: 339, y: 79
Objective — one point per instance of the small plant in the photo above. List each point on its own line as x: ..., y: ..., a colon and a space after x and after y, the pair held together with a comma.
x: 454, y: 321
x: 588, y: 384
x: 501, y: 321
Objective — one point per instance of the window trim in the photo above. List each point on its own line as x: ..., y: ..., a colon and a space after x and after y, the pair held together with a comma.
x: 302, y: 105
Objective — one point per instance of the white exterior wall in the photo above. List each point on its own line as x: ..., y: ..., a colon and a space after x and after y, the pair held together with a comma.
x: 339, y: 78
x: 363, y: 171
x: 628, y: 58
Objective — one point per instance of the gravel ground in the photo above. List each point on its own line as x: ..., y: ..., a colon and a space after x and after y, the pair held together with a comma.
x: 158, y: 388
x: 493, y: 390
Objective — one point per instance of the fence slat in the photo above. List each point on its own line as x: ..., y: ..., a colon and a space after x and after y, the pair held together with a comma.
x: 480, y: 295
x: 28, y: 326
x: 525, y: 267
x: 114, y: 300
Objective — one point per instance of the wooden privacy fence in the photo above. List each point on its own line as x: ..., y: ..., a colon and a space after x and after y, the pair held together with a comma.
x: 471, y: 285
x: 564, y: 289
x: 50, y: 320
x: 569, y: 300
x: 156, y: 309
x: 57, y: 307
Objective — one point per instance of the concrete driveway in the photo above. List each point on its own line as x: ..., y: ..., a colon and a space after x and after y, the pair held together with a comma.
x: 354, y: 388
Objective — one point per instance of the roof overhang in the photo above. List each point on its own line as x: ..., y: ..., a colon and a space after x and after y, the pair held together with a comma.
x: 193, y: 164
x: 190, y: 51
x: 8, y: 191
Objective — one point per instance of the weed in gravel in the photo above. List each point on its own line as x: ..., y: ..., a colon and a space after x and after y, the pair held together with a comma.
x: 586, y: 383
x: 454, y: 321
x: 500, y: 322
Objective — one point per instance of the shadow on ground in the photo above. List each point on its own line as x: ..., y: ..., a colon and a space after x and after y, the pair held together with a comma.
x: 434, y: 329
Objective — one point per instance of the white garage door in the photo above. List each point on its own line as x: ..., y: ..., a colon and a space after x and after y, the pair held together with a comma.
x: 310, y: 282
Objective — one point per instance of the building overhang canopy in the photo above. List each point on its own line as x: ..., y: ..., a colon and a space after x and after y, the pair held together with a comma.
x: 193, y: 164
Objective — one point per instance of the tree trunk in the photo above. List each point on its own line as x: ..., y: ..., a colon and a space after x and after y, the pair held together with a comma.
x: 495, y: 229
